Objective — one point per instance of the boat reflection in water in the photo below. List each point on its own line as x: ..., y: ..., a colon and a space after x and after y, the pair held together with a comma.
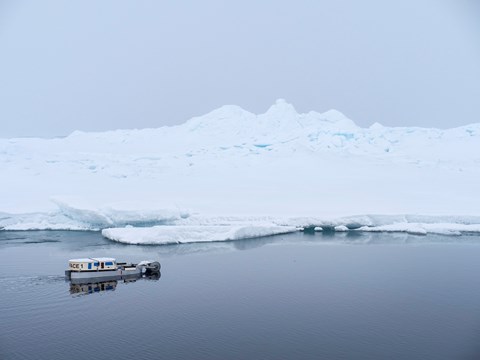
x: 79, y: 287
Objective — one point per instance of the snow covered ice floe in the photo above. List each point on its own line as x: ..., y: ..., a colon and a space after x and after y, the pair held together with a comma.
x: 235, y: 168
x: 191, y: 234
x: 424, y: 229
x: 237, y: 228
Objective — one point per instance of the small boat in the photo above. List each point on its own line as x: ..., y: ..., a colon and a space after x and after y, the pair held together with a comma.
x: 108, y: 269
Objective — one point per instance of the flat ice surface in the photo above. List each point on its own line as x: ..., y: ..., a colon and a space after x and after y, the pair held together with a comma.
x: 231, y: 167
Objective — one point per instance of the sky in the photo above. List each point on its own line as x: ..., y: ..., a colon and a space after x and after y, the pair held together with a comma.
x: 102, y: 65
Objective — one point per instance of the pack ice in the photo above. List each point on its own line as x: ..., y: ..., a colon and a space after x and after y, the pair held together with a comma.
x: 232, y: 174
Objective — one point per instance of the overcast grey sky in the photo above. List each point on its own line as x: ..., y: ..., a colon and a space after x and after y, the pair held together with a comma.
x: 98, y: 65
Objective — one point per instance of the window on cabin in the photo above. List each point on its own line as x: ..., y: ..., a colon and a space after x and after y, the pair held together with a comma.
x: 89, y: 266
x: 109, y: 263
x: 95, y: 264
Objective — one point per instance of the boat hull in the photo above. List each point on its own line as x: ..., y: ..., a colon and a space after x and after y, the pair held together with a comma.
x: 106, y: 274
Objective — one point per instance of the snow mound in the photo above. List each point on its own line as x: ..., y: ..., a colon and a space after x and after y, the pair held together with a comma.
x: 71, y: 216
x: 191, y: 234
x: 107, y: 217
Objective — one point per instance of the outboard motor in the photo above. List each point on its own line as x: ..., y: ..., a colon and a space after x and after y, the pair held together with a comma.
x: 152, y: 268
x: 149, y: 267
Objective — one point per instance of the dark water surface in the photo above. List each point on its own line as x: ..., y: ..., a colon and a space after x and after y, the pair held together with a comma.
x: 298, y: 296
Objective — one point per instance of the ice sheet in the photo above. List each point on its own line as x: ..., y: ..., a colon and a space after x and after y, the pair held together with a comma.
x: 231, y: 167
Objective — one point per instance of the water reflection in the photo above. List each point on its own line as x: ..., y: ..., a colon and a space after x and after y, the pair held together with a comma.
x: 80, y: 287
x: 253, y: 243
x: 83, y: 243
x: 85, y: 289
x: 393, y: 238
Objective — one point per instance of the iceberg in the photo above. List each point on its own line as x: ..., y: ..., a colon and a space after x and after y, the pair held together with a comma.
x: 234, y: 168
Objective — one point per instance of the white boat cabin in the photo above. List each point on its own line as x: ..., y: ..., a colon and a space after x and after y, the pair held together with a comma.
x: 92, y: 264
